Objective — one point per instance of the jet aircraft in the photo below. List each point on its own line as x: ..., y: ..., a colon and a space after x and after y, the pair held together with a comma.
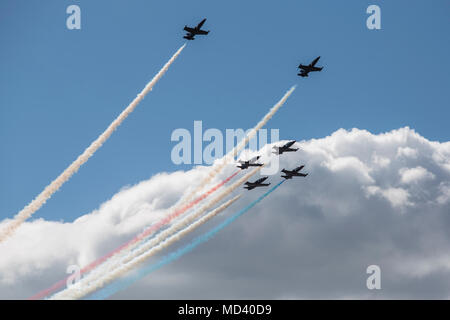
x: 288, y: 174
x: 306, y: 69
x: 250, y: 163
x: 285, y: 148
x: 192, y: 32
x: 257, y: 183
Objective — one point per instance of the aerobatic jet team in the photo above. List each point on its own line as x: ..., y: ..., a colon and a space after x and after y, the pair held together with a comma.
x: 118, y: 262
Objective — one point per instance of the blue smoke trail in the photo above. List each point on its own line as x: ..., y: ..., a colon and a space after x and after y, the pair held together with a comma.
x: 130, y: 279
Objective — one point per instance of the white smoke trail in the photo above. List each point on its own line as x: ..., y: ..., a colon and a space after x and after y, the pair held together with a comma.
x: 100, y: 276
x: 216, y: 168
x: 40, y: 200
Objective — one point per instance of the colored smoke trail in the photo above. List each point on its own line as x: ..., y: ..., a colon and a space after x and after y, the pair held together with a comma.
x: 116, y: 268
x: 139, y: 274
x: 133, y: 242
x: 56, y: 184
x: 215, y: 170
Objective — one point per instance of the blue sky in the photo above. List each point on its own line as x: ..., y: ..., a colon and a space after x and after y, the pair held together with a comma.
x: 60, y: 88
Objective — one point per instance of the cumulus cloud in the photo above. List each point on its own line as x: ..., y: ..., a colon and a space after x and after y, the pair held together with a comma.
x: 410, y: 175
x: 369, y: 199
x: 398, y: 197
x: 406, y: 152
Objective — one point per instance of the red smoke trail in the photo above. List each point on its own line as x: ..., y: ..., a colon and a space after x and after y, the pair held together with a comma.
x: 139, y: 237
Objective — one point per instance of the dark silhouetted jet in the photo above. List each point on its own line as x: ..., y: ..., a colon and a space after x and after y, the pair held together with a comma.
x: 192, y: 32
x: 285, y: 148
x: 257, y: 183
x: 288, y: 174
x: 304, y: 70
x: 250, y: 163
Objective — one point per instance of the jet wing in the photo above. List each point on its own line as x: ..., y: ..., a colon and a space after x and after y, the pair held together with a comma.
x: 315, y: 61
x: 316, y: 68
x: 201, y: 32
x: 252, y: 160
x: 189, y: 29
x: 290, y: 143
x: 260, y: 180
x: 299, y: 168
x: 201, y: 23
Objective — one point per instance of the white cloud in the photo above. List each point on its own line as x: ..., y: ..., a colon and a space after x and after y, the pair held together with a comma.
x: 444, y: 189
x: 350, y: 164
x: 312, y: 238
x: 410, y: 175
x: 407, y: 152
x: 398, y: 197
x: 380, y: 161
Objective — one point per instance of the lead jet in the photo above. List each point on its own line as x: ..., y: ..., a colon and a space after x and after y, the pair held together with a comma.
x: 285, y: 148
x: 257, y: 183
x: 288, y: 174
x: 304, y: 70
x: 250, y: 163
x: 192, y: 32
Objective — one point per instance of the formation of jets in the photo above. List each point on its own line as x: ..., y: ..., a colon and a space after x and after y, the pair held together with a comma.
x: 279, y: 150
x: 287, y: 174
